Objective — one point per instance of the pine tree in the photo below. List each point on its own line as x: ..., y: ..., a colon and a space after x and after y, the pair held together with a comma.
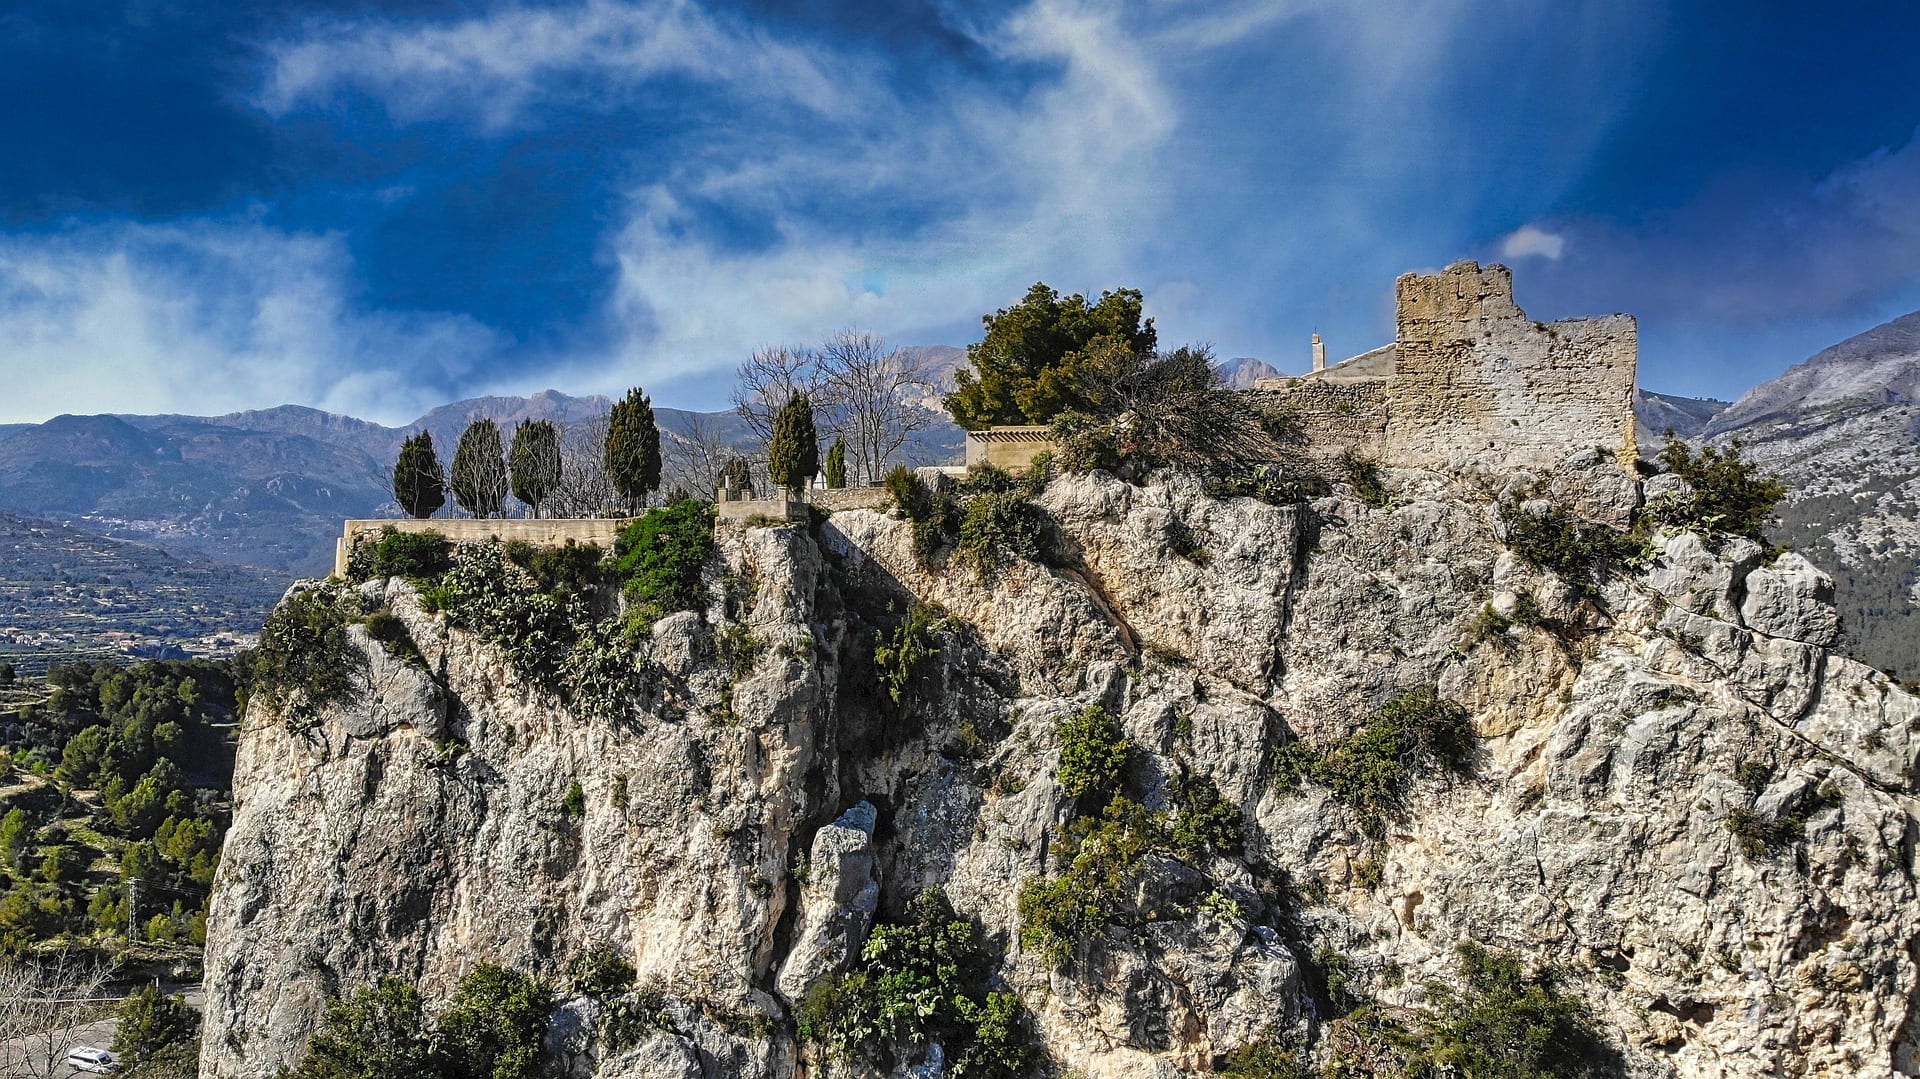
x: 480, y: 469
x: 418, y: 483
x: 633, y: 448
x: 535, y: 462
x: 837, y: 464
x: 793, y: 458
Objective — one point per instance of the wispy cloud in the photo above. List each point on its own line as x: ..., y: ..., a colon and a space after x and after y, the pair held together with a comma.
x: 1220, y: 154
x: 212, y: 316
x: 498, y: 67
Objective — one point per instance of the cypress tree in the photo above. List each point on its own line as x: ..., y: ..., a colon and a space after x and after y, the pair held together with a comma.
x: 633, y: 448
x: 418, y: 483
x: 793, y: 458
x: 535, y: 462
x: 480, y: 469
x: 837, y: 464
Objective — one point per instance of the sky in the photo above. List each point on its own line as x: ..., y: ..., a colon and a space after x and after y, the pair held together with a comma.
x: 379, y: 208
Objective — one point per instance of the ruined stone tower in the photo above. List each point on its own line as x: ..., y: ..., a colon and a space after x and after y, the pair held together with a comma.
x: 1470, y: 379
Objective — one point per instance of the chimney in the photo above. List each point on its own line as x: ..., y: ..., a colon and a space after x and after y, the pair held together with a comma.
x: 1319, y: 353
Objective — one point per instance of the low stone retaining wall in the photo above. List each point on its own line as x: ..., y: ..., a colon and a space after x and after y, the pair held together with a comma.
x: 541, y: 532
x: 850, y: 498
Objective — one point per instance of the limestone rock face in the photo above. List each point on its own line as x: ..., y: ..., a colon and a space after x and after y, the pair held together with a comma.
x: 837, y: 902
x: 1793, y: 599
x: 739, y: 838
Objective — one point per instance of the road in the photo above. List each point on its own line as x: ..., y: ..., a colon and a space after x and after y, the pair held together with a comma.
x: 35, y: 1049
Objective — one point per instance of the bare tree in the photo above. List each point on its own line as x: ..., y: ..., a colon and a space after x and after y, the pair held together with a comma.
x: 45, y: 1001
x: 877, y: 393
x: 771, y: 377
x: 584, y: 488
x: 696, y: 458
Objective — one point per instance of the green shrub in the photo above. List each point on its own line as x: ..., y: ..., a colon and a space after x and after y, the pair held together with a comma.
x: 660, y: 558
x: 1371, y: 769
x: 1506, y: 1022
x: 1093, y: 753
x: 495, y: 1026
x: 902, y: 656
x: 575, y: 803
x: 1730, y: 493
x: 151, y: 1023
x: 997, y: 526
x: 1273, y: 484
x: 1363, y: 476
x: 1204, y: 823
x: 304, y: 661
x: 571, y: 567
x: 410, y: 554
x: 1574, y: 549
x: 1263, y: 1059
x: 380, y: 1032
x: 601, y: 972
x: 920, y: 982
x: 1753, y: 775
x: 1101, y: 857
x: 386, y: 627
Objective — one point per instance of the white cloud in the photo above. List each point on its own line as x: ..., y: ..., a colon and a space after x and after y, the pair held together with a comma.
x: 1532, y: 241
x: 1091, y: 145
x: 498, y: 65
x: 211, y: 316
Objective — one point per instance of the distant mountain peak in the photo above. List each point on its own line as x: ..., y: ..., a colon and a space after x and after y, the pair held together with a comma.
x: 1878, y: 367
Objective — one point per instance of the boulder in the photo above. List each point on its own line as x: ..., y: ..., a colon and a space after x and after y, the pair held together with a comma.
x: 1793, y: 599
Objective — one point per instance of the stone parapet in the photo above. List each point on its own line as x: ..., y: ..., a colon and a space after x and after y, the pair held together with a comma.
x: 541, y: 532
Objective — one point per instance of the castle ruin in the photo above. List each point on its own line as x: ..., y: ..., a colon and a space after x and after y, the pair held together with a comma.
x: 1469, y: 376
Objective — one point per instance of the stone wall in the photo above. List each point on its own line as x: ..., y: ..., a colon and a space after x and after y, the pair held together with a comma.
x: 1334, y: 414
x: 1475, y: 377
x: 850, y: 498
x: 1470, y: 377
x: 541, y: 532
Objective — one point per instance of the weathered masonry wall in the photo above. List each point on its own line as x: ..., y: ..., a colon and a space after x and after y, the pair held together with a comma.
x: 550, y: 532
x: 1474, y: 376
x: 1470, y: 376
x: 1334, y: 413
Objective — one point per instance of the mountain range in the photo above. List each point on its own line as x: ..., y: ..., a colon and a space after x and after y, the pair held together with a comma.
x: 260, y: 494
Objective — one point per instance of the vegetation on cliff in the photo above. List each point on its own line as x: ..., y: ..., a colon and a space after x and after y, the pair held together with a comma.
x: 920, y: 982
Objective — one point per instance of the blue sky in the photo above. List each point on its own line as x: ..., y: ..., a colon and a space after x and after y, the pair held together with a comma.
x: 376, y: 208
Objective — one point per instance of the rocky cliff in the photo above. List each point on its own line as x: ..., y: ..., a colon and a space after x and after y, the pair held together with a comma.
x: 1673, y: 794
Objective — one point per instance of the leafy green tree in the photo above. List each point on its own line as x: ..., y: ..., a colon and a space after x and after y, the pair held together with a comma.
x: 535, y: 462
x: 837, y: 464
x: 480, y: 469
x: 419, y: 485
x: 152, y: 1023
x: 1043, y: 356
x: 16, y: 835
x: 380, y: 1032
x: 7, y: 674
x: 633, y: 449
x: 793, y: 457
x: 494, y: 1026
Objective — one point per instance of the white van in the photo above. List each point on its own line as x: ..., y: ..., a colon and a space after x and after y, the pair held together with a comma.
x: 86, y: 1058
